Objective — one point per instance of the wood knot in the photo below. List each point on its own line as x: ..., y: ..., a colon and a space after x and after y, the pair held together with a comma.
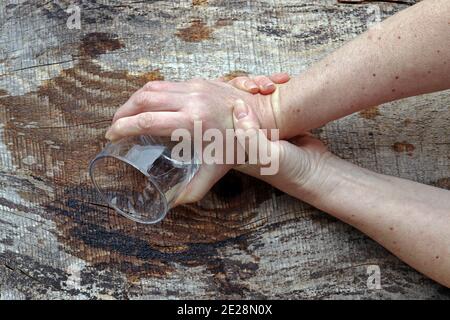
x: 370, y: 113
x: 96, y: 43
x: 403, y: 147
x: 196, y: 32
x: 199, y: 2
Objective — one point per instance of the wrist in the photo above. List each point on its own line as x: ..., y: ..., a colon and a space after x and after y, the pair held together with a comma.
x: 333, y: 180
x: 264, y: 111
x: 269, y: 111
x: 324, y: 176
x: 286, y: 111
x: 295, y: 106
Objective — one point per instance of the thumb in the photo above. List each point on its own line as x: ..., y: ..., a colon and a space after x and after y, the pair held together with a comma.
x: 262, y: 154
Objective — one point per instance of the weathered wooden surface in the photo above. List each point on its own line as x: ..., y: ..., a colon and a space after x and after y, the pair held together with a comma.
x: 58, y: 91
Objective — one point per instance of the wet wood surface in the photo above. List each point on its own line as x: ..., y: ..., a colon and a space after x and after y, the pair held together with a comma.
x: 59, y: 88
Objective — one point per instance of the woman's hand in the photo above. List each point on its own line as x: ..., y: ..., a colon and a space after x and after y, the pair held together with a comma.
x: 301, y: 161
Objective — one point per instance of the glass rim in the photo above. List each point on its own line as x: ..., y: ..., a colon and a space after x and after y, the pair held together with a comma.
x: 103, y: 155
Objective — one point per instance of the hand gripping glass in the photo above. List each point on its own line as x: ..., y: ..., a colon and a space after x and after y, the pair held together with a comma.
x: 138, y: 177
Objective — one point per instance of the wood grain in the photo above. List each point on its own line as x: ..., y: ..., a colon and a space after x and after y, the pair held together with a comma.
x: 58, y: 91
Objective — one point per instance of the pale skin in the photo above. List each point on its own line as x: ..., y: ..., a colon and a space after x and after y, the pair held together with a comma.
x: 407, y: 55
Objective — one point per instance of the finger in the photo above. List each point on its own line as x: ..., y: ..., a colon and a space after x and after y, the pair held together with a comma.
x: 202, y: 182
x: 232, y: 75
x: 280, y: 78
x: 250, y: 170
x: 245, y: 125
x: 245, y: 84
x: 247, y: 131
x: 154, y: 123
x: 266, y: 86
x: 261, y: 151
x: 142, y: 101
x: 243, y: 117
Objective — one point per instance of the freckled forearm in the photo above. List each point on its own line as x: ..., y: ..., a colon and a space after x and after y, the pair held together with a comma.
x: 410, y: 219
x: 406, y: 55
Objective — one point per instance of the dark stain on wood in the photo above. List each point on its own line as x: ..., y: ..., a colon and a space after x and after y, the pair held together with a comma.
x: 443, y: 183
x: 13, y: 205
x: 321, y: 217
x: 223, y: 22
x: 230, y: 187
x: 370, y: 113
x: 101, y: 237
x: 197, y: 31
x: 272, y: 31
x: 7, y: 241
x: 190, y: 234
x: 199, y: 2
x: 403, y: 147
x: 407, y: 122
x: 230, y: 275
x: 316, y: 36
x: 34, y: 270
x: 96, y: 43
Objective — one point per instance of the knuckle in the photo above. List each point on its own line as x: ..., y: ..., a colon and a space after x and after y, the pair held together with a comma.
x: 189, y: 125
x: 193, y: 117
x: 119, y: 125
x: 197, y: 83
x: 197, y: 97
x: 148, y: 85
x: 142, y: 99
x: 155, y: 85
x: 147, y: 99
x: 245, y: 82
x: 195, y: 197
x: 262, y: 79
x: 241, y: 79
x: 145, y: 120
x: 190, y: 104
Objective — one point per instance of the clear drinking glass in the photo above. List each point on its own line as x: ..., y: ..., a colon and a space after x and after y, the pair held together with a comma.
x: 138, y: 177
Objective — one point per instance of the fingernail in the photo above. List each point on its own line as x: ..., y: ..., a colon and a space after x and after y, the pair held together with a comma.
x: 269, y: 86
x: 108, y: 134
x: 240, y: 109
x: 179, y: 200
x: 250, y: 85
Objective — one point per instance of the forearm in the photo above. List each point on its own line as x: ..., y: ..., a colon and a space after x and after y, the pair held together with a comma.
x: 409, y: 219
x: 407, y: 54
